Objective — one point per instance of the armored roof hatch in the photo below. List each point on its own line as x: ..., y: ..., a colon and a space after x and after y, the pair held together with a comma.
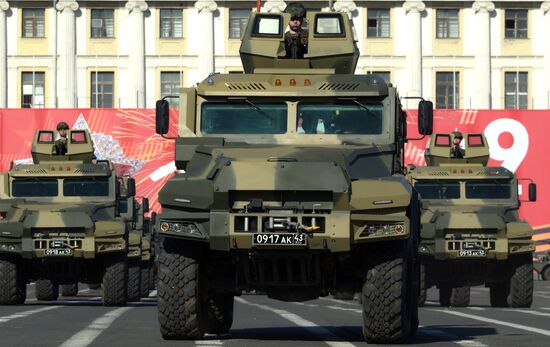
x: 79, y: 147
x: 438, y: 150
x: 331, y: 44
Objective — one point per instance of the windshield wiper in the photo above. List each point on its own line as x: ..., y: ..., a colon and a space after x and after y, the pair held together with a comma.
x: 364, y: 107
x: 257, y: 108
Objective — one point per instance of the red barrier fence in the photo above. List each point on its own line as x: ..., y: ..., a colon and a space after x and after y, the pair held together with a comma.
x: 517, y: 140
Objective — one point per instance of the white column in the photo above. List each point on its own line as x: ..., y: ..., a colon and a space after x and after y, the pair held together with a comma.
x: 136, y: 68
x: 274, y: 6
x: 545, y: 7
x: 483, y: 11
x: 4, y: 6
x: 345, y: 6
x: 66, y: 77
x: 414, y: 10
x: 206, y: 10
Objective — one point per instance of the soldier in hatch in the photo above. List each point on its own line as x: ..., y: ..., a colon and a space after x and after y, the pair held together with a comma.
x: 296, y: 37
x: 60, y: 146
x: 456, y: 151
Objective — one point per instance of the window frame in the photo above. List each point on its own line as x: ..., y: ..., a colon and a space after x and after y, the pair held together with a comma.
x: 515, y: 33
x: 447, y: 23
x: 454, y: 84
x: 34, y: 86
x: 516, y: 93
x: 379, y: 20
x: 172, y: 19
x: 104, y: 26
x: 173, y: 102
x: 242, y: 23
x: 93, y: 89
x: 35, y: 20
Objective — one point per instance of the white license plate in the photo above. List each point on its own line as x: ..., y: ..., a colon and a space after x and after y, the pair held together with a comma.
x: 472, y: 253
x: 59, y: 252
x: 279, y: 239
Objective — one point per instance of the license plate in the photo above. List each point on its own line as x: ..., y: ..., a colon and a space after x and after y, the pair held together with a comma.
x: 59, y: 252
x: 279, y: 239
x: 472, y: 253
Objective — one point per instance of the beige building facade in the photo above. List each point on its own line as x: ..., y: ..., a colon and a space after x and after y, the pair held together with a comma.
x: 459, y: 54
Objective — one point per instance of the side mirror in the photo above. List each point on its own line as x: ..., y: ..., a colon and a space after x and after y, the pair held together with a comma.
x: 145, y: 205
x: 131, y: 187
x: 532, y: 192
x: 425, y: 117
x: 162, y: 117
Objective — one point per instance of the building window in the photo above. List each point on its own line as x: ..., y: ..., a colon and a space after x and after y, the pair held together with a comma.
x: 516, y: 24
x: 237, y: 22
x: 171, y: 23
x: 385, y: 75
x: 170, y: 84
x: 103, y: 23
x: 378, y: 22
x: 447, y: 24
x: 515, y: 90
x: 33, y: 22
x: 102, y: 89
x: 32, y: 91
x: 447, y: 87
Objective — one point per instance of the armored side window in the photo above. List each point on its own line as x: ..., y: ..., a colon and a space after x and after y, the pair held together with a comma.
x: 443, y: 140
x: 78, y: 137
x: 329, y: 25
x: 475, y: 140
x: 268, y: 26
x: 45, y: 137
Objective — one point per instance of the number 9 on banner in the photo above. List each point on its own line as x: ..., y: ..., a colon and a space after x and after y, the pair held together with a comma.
x: 512, y: 156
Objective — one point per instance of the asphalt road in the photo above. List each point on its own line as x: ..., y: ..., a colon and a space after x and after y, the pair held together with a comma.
x: 83, y: 321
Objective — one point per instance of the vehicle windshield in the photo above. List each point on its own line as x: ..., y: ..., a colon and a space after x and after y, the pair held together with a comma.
x: 244, y: 118
x: 438, y: 189
x: 34, y: 188
x: 488, y: 190
x: 86, y: 187
x: 340, y: 119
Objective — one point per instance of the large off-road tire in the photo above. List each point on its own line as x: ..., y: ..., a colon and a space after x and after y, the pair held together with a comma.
x: 134, y: 280
x: 115, y: 280
x: 445, y: 295
x: 69, y: 289
x: 13, y: 289
x: 498, y: 294
x: 46, y: 290
x: 388, y: 296
x: 180, y: 303
x: 546, y: 273
x: 521, y: 282
x: 460, y: 297
x: 144, y: 284
x: 220, y: 313
x: 423, y: 290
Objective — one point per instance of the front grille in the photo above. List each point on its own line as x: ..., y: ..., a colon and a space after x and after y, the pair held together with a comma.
x: 462, y: 245
x: 46, y: 238
x: 44, y: 244
x: 281, y: 269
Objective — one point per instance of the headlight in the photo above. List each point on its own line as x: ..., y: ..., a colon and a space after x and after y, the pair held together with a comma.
x: 183, y: 228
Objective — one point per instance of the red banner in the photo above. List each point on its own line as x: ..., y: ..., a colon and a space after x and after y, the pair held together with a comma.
x: 517, y: 140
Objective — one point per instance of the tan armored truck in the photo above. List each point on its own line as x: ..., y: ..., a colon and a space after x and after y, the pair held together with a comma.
x: 542, y: 266
x: 60, y: 223
x: 471, y: 232
x: 139, y: 245
x: 293, y: 187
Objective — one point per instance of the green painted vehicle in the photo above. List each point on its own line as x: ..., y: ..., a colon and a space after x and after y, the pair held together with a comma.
x: 293, y: 187
x: 471, y: 231
x: 542, y: 266
x: 60, y: 223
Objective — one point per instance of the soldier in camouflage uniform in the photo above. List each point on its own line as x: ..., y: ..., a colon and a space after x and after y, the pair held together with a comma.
x: 296, y: 37
x: 456, y: 151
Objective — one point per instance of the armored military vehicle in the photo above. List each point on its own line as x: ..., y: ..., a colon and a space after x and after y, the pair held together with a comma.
x: 542, y: 266
x: 293, y: 187
x: 471, y: 232
x: 61, y: 223
x: 139, y: 245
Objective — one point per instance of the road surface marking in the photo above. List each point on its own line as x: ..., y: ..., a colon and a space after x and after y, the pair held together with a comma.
x: 64, y: 302
x: 208, y: 343
x: 498, y: 322
x: 536, y: 313
x: 345, y: 302
x: 88, y: 335
x: 26, y: 313
x: 356, y: 310
x: 326, y: 335
x: 477, y: 308
x: 545, y: 308
x: 450, y: 337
